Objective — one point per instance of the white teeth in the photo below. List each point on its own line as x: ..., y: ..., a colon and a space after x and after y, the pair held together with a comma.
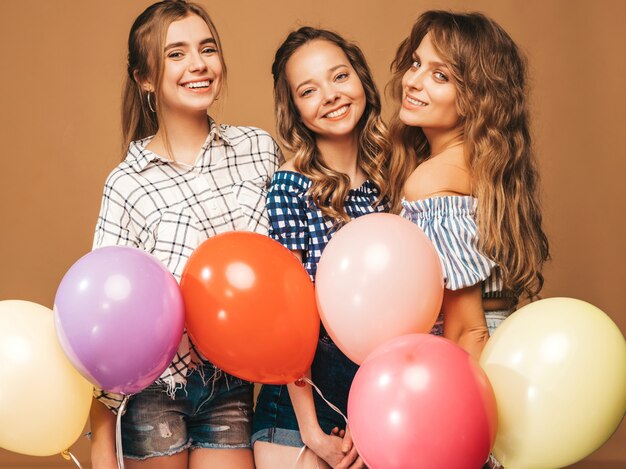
x: 197, y: 84
x: 339, y: 112
x: 416, y: 102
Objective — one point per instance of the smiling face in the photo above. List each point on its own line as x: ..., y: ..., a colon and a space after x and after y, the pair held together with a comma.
x: 325, y: 89
x: 192, y: 70
x: 428, y: 92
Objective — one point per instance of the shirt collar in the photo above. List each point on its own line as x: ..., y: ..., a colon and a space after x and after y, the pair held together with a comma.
x: 139, y: 157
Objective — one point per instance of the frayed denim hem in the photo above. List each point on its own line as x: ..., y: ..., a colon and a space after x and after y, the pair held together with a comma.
x: 172, y: 452
x: 219, y: 446
x: 279, y: 436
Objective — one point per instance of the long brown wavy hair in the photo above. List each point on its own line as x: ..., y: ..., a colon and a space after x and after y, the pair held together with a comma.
x: 146, y: 42
x: 330, y: 188
x: 490, y: 75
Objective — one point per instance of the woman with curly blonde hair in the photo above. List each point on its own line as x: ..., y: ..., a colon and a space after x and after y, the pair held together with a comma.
x: 328, y: 116
x: 330, y: 187
x: 463, y: 160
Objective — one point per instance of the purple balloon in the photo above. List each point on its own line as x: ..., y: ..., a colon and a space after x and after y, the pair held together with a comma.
x: 119, y: 316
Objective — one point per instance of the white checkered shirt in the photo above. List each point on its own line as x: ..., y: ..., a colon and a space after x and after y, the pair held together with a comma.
x: 168, y: 209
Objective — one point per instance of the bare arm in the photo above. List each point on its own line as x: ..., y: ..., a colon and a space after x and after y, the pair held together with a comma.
x: 333, y: 449
x: 303, y: 405
x: 102, y: 437
x: 464, y: 319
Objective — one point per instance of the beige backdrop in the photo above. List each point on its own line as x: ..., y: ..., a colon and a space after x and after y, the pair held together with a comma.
x: 62, y: 68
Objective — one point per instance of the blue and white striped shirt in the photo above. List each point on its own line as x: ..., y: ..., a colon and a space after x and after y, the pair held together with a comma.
x: 450, y: 223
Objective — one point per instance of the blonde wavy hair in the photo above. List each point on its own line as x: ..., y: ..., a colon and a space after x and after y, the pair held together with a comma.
x: 330, y: 188
x: 146, y: 42
x: 489, y: 72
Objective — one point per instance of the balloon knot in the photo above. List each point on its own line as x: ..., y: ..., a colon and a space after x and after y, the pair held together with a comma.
x: 300, y: 383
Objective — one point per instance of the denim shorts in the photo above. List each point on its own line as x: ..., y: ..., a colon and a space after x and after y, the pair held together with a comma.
x: 332, y: 372
x: 213, y: 410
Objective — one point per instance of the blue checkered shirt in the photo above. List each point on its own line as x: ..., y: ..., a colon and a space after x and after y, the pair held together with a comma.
x: 299, y: 225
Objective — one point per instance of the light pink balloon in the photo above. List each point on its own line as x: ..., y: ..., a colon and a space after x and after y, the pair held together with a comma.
x: 379, y: 277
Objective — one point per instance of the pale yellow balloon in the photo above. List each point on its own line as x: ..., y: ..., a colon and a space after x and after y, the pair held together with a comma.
x: 44, y: 401
x: 558, y: 370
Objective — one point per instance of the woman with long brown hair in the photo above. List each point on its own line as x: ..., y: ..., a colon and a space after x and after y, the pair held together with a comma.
x: 464, y: 163
x: 184, y: 178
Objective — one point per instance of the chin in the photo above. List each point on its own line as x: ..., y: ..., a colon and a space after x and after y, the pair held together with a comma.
x: 409, y: 121
x: 201, y: 106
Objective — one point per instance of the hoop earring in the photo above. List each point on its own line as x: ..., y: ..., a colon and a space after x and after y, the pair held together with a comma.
x: 150, y: 103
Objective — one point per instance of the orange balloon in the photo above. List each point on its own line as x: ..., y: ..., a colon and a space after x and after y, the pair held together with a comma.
x: 250, y: 307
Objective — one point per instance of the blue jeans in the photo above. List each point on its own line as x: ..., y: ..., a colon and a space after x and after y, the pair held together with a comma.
x: 214, y: 410
x: 332, y: 372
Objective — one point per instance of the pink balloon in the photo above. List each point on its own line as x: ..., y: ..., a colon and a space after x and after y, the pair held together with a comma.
x: 119, y: 317
x: 420, y: 401
x: 379, y: 277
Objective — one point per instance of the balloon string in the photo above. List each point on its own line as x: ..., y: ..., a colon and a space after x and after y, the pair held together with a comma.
x: 118, y: 433
x: 332, y: 406
x: 302, y: 450
x: 68, y: 455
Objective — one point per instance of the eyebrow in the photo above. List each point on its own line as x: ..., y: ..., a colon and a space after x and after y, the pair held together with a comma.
x: 332, y: 69
x: 432, y: 63
x: 439, y: 64
x: 208, y: 40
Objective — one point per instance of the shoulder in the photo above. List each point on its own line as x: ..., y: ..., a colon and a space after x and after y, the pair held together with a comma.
x: 239, y: 134
x: 443, y: 175
x: 288, y: 195
x: 288, y: 166
x: 450, y: 224
x: 254, y: 144
x: 130, y: 177
x: 123, y: 178
x: 286, y: 181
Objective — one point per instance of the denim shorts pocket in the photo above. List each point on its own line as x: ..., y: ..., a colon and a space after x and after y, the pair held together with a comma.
x: 233, y: 382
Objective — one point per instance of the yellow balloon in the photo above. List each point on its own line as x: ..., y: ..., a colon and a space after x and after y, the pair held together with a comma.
x: 44, y: 401
x: 558, y: 370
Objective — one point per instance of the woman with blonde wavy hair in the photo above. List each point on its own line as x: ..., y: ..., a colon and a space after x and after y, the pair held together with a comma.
x: 463, y: 160
x: 328, y: 116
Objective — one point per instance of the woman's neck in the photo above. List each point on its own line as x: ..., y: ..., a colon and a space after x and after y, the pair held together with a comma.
x: 442, y: 141
x: 342, y: 156
x: 185, y: 136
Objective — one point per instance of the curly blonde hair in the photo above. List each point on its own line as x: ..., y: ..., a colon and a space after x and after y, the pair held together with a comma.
x: 489, y: 72
x: 330, y: 188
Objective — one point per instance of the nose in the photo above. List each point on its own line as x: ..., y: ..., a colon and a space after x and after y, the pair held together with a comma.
x: 414, y: 79
x: 196, y: 63
x: 330, y: 94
